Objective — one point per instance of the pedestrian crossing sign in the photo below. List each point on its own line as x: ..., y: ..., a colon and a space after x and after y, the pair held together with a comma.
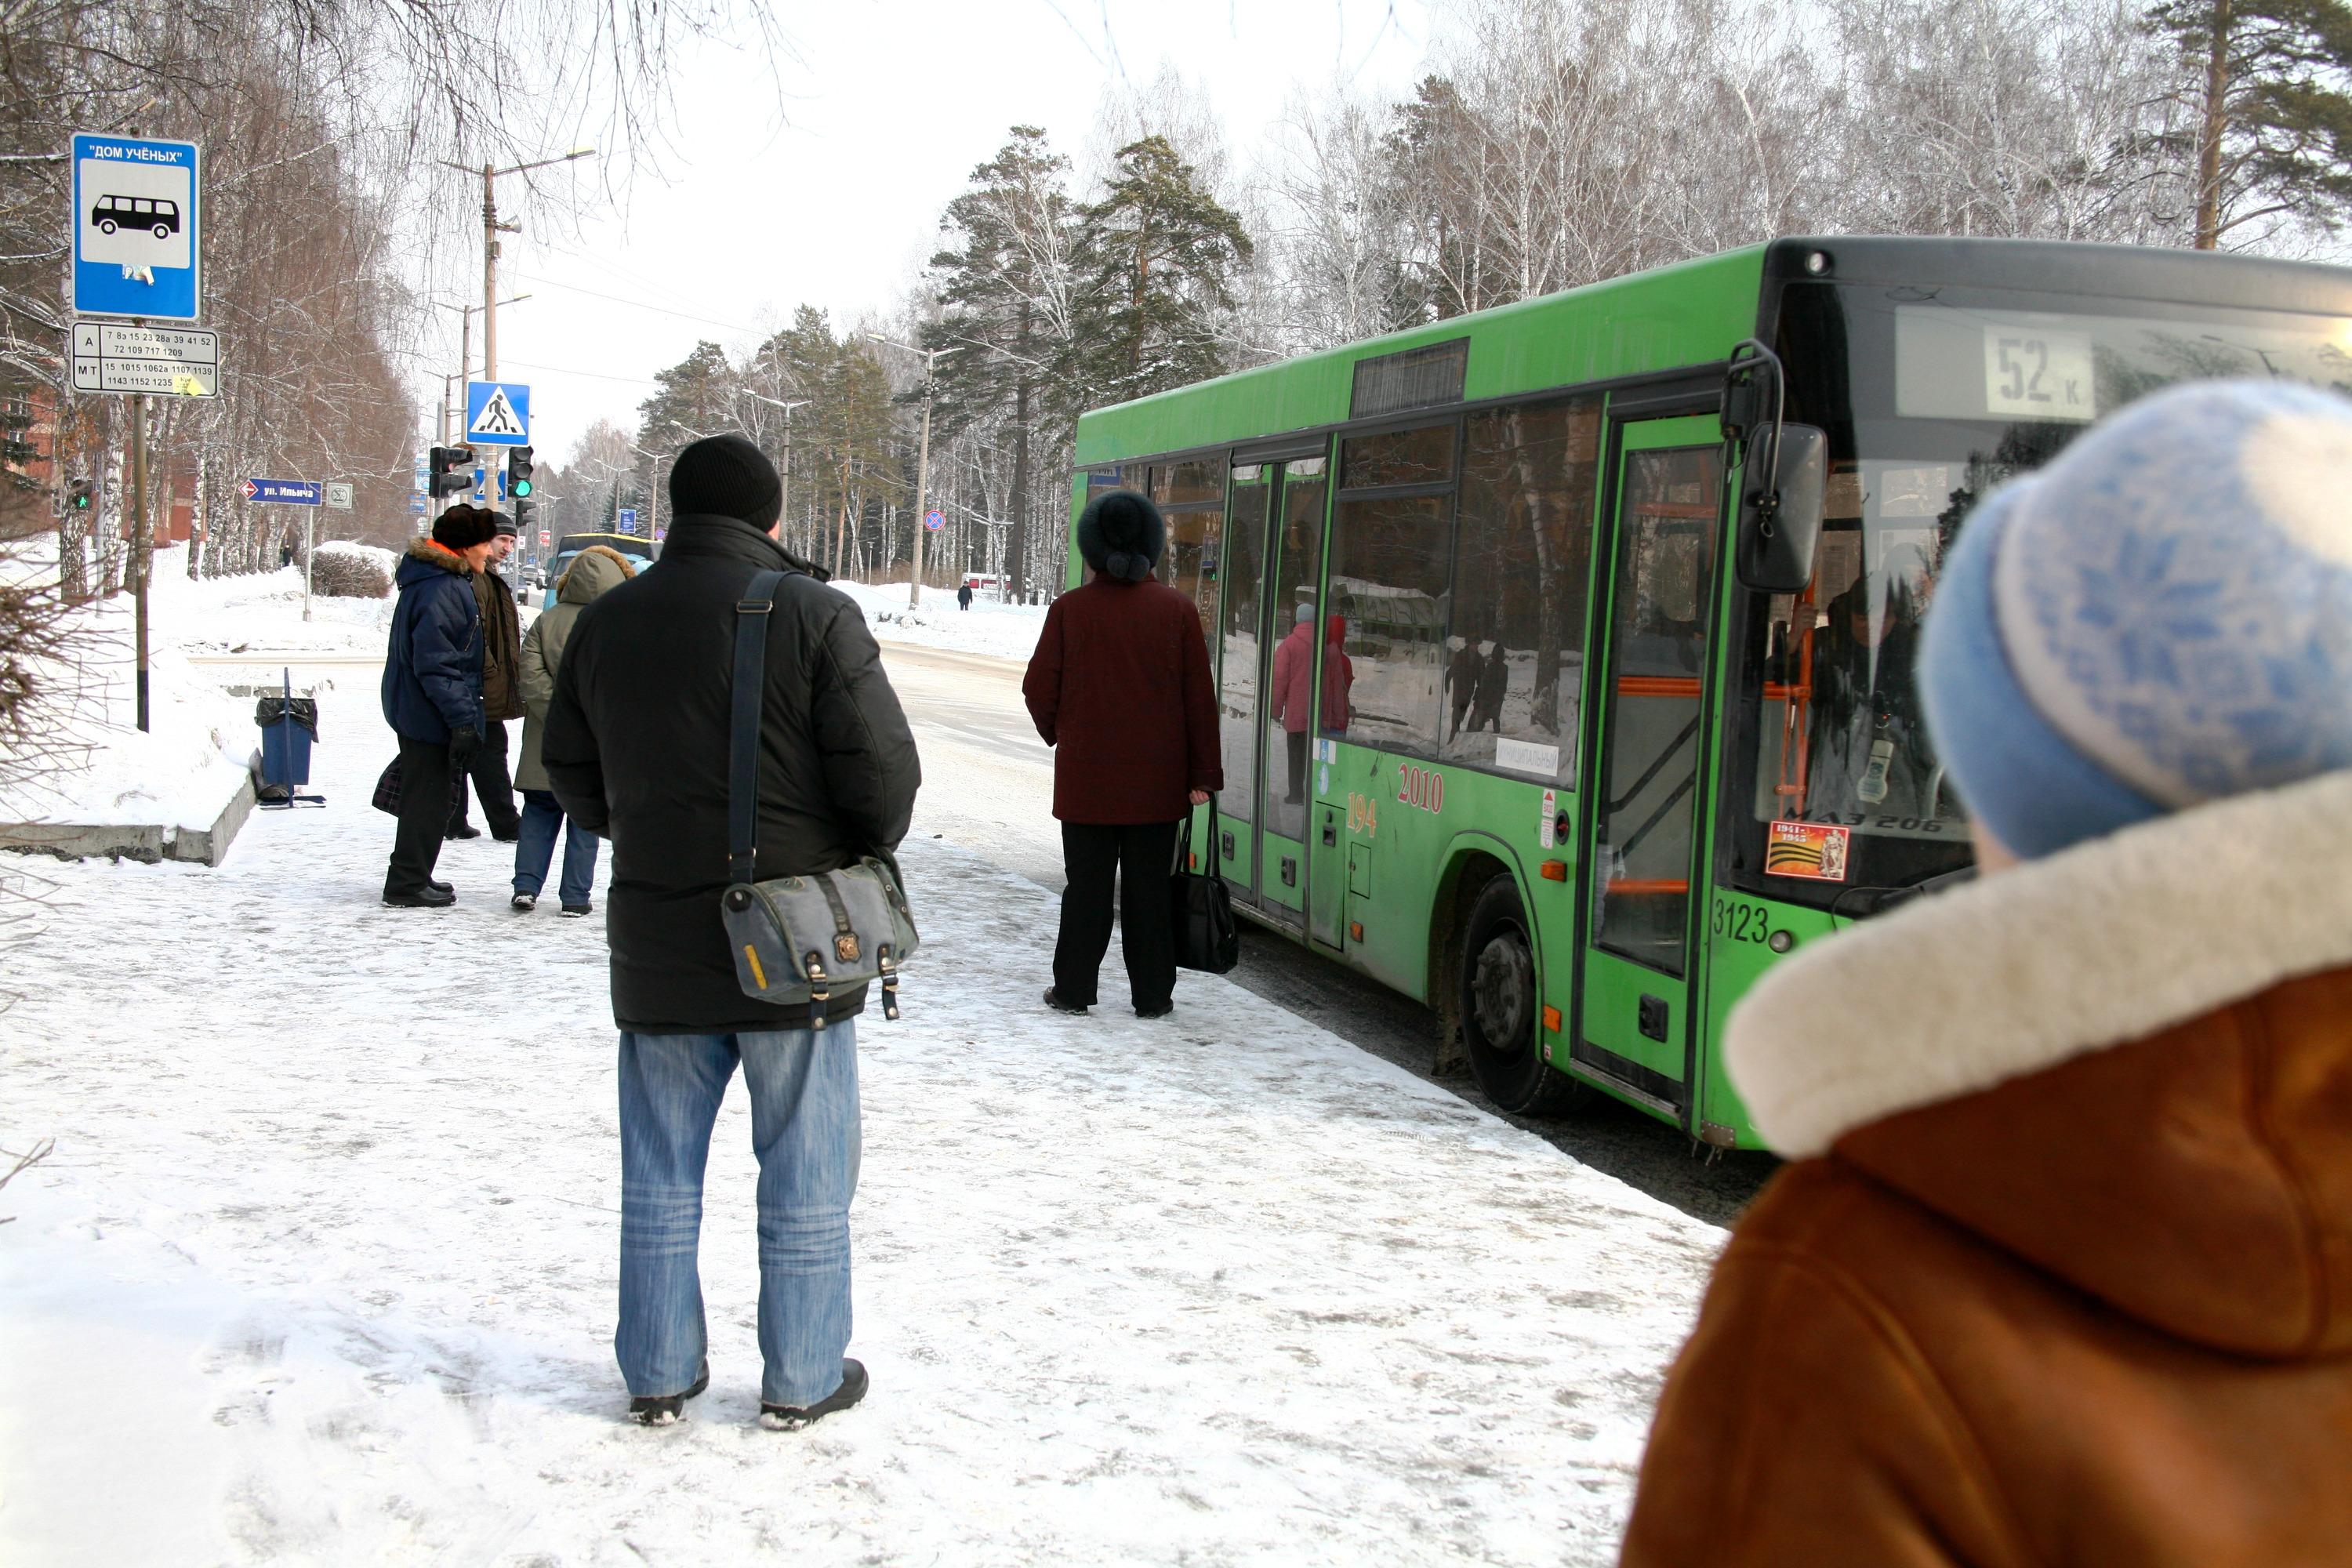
x: 497, y: 414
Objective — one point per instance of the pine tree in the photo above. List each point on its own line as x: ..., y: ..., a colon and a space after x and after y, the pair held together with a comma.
x: 1005, y: 294
x: 1156, y: 260
x: 2264, y: 83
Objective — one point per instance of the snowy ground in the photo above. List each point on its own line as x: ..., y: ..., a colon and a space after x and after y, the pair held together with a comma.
x: 322, y: 1269
x: 999, y: 631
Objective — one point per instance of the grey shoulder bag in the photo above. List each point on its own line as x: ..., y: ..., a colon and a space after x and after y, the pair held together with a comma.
x: 798, y: 939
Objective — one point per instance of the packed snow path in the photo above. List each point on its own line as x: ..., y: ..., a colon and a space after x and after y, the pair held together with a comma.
x: 322, y: 1270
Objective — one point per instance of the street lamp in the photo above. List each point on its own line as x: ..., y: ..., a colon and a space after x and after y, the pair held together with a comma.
x: 922, y: 461
x: 653, y: 502
x: 784, y: 505
x: 490, y: 230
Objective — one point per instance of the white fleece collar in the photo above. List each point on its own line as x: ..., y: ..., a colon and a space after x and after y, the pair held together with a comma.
x: 2111, y: 941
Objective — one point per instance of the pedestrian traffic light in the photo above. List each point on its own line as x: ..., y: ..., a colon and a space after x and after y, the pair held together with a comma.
x: 519, y: 473
x: 77, y: 498
x: 450, y: 472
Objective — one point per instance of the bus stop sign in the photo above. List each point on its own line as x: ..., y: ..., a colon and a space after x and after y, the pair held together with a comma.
x: 136, y: 249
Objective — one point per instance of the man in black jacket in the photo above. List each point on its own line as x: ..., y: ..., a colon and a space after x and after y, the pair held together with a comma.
x: 636, y: 748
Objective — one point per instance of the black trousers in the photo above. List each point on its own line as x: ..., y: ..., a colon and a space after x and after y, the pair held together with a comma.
x: 424, y: 815
x: 494, y: 784
x: 1298, y: 739
x: 1139, y: 856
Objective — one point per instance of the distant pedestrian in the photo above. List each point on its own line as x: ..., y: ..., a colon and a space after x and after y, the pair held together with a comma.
x: 963, y: 596
x: 501, y: 698
x: 591, y: 572
x: 2062, y: 1272
x: 433, y: 692
x: 635, y: 746
x: 285, y: 556
x: 1119, y: 686
x: 1294, y: 703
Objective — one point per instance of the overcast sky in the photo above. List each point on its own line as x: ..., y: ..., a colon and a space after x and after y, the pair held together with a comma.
x: 831, y: 194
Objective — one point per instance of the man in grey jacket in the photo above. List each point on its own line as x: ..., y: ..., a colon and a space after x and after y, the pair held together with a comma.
x: 637, y: 749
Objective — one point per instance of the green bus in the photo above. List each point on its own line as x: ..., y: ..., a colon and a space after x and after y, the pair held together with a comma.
x: 1565, y: 648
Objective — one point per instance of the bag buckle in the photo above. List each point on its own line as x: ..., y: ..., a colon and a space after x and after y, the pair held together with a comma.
x: 820, y: 992
x: 889, y: 970
x: 754, y: 606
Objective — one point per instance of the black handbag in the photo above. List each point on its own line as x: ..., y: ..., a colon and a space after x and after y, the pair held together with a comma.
x: 387, y: 788
x: 1198, y: 908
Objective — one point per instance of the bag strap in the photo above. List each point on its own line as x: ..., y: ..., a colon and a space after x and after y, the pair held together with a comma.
x: 1184, y: 842
x: 751, y: 685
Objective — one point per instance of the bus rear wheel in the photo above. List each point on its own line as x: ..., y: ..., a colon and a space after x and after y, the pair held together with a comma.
x: 1500, y: 1004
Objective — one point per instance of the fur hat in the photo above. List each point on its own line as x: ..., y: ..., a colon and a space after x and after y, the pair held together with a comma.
x: 462, y: 527
x: 728, y: 476
x: 1121, y: 535
x: 2160, y: 618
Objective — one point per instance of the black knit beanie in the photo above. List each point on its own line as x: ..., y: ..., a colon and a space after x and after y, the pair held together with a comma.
x: 728, y: 476
x: 1121, y: 534
x: 462, y: 527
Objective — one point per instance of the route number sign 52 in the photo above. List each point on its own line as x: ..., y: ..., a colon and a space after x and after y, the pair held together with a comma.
x: 2034, y: 374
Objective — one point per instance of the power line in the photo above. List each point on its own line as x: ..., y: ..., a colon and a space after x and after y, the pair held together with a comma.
x: 640, y: 304
x: 590, y: 375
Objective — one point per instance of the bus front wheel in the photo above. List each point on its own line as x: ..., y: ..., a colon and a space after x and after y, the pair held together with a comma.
x: 1500, y: 1004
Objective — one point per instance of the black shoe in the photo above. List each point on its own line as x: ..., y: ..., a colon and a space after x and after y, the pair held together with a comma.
x: 426, y: 898
x: 444, y: 887
x: 523, y: 903
x: 463, y: 830
x: 792, y: 1418
x: 1160, y: 1011
x: 1054, y: 1001
x: 575, y: 912
x: 667, y: 1409
x: 510, y: 834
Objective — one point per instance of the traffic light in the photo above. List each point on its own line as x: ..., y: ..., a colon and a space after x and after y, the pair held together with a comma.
x: 77, y: 498
x: 520, y: 492
x: 449, y: 471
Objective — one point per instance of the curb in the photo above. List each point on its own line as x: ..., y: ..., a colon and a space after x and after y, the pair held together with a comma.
x: 147, y: 843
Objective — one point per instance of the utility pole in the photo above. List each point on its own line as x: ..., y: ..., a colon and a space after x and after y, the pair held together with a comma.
x: 491, y: 229
x: 922, y: 462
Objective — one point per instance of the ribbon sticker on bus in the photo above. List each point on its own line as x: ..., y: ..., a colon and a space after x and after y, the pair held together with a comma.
x: 1812, y: 851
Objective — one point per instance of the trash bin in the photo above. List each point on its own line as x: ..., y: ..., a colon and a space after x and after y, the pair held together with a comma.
x: 289, y: 724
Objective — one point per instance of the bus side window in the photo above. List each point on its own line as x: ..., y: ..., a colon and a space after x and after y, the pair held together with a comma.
x: 1523, y: 554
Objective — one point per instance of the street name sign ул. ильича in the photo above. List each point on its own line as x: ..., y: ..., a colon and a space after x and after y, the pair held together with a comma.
x: 137, y: 207
x: 176, y: 362
x: 285, y: 492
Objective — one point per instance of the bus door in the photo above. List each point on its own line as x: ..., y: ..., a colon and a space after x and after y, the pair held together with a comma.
x: 1643, y: 858
x: 1272, y: 567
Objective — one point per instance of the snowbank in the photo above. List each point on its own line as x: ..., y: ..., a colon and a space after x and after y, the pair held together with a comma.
x: 186, y: 767
x: 998, y: 631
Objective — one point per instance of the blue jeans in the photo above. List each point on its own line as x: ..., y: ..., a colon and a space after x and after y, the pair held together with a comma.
x: 804, y: 1130
x: 541, y: 818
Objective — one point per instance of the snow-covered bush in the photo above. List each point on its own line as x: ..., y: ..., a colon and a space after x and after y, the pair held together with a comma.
x: 340, y: 570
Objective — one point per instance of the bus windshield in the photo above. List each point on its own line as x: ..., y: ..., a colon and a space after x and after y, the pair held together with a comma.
x: 1932, y: 397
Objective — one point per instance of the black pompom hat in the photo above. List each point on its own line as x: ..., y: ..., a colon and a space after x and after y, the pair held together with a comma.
x: 1121, y: 534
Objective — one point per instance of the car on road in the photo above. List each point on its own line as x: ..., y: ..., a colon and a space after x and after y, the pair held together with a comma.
x: 640, y: 551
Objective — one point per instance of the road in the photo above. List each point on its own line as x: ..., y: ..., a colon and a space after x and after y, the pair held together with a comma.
x: 988, y: 785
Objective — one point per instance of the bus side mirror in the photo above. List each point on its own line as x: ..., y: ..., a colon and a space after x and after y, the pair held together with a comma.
x: 1780, y: 512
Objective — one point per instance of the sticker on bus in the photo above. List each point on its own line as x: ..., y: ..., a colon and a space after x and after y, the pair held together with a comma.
x: 1543, y: 826
x: 1812, y: 851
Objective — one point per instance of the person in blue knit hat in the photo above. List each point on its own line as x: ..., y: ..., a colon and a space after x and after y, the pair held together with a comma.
x: 2061, y: 1269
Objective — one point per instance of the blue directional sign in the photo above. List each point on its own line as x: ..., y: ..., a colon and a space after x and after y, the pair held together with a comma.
x: 285, y: 492
x: 417, y: 503
x: 628, y: 520
x: 136, y: 250
x: 497, y: 414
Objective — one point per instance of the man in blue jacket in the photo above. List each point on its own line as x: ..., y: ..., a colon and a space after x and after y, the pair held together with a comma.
x: 433, y: 692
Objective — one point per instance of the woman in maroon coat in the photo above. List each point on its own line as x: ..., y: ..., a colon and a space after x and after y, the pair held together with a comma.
x: 1119, y: 686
